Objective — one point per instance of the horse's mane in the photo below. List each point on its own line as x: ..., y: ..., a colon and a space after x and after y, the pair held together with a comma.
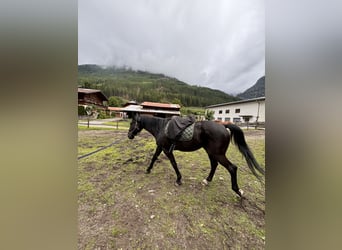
x: 154, y: 123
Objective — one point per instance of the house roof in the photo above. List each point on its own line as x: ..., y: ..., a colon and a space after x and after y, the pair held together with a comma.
x: 92, y: 91
x: 88, y: 91
x: 114, y: 108
x: 160, y: 105
x: 141, y: 109
x: 130, y: 103
x: 236, y: 102
x: 132, y: 108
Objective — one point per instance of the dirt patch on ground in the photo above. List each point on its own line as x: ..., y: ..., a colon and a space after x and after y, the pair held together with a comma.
x: 121, y: 207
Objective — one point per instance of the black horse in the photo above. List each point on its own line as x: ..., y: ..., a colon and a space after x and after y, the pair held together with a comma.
x: 213, y: 137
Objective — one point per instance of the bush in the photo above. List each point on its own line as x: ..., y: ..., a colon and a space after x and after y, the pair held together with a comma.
x: 102, y: 114
x: 209, y: 115
x: 81, y: 111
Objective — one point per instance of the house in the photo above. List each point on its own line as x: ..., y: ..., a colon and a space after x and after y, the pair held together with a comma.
x: 115, y: 112
x: 130, y: 103
x: 161, y: 109
x: 92, y: 97
x: 154, y: 108
x: 243, y: 111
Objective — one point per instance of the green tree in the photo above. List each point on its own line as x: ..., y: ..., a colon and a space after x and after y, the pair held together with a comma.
x: 81, y: 110
x: 115, y: 101
x: 177, y: 101
x: 209, y: 115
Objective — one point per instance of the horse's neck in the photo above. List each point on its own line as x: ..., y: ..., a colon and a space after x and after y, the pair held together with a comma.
x: 153, y: 125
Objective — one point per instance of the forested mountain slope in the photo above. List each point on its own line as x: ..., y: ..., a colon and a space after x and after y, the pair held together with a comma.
x: 257, y: 90
x: 144, y: 86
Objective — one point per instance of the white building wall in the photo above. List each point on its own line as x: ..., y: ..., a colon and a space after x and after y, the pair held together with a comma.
x: 253, y: 109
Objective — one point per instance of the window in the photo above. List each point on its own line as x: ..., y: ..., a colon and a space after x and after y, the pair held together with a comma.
x: 237, y: 110
x: 246, y: 118
x: 236, y: 119
x: 227, y: 119
x: 227, y: 111
x: 219, y: 118
x: 220, y: 111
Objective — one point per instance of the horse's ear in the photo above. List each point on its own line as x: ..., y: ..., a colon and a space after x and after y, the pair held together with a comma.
x: 135, y: 116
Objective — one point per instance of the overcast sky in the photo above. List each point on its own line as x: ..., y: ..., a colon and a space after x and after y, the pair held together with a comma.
x: 214, y: 43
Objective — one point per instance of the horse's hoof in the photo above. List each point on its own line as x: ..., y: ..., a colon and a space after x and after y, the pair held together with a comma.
x: 178, y: 183
x: 148, y: 172
x: 239, y: 193
x: 205, y: 182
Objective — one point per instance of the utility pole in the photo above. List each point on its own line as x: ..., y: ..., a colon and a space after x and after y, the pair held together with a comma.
x: 257, y: 118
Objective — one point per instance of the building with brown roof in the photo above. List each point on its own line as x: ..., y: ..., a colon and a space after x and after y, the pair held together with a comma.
x: 92, y: 97
x: 154, y: 108
x: 115, y: 112
x: 161, y: 106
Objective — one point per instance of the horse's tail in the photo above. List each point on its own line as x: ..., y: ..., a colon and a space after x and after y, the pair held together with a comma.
x: 239, y: 140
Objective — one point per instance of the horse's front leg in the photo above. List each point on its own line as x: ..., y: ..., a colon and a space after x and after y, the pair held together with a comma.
x: 154, y: 158
x: 174, y: 165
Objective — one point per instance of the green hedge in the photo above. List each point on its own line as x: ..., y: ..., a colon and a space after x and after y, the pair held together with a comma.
x: 81, y: 110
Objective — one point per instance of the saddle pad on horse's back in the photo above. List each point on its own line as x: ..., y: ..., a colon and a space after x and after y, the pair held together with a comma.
x: 177, y: 125
x: 188, y: 133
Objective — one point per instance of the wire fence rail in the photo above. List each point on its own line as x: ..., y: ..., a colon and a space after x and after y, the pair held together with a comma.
x: 99, y: 149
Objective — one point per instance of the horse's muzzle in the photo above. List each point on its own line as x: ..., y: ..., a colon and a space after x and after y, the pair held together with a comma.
x: 130, y: 136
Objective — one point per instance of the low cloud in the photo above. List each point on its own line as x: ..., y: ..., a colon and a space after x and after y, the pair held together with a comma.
x: 219, y: 45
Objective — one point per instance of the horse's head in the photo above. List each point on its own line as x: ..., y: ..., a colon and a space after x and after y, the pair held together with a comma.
x: 135, y: 126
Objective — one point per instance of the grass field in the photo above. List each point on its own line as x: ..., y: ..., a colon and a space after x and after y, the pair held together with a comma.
x: 121, y: 207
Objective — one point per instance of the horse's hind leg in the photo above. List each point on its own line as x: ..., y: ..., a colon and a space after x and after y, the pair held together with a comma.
x: 213, y: 165
x: 154, y: 158
x: 222, y: 159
